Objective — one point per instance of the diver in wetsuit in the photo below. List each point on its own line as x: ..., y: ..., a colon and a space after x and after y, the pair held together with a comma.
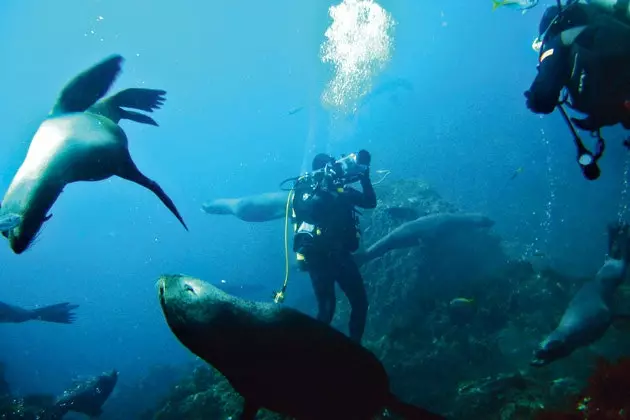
x: 587, y: 51
x: 327, y: 233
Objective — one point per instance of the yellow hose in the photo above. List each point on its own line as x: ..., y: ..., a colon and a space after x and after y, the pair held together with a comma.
x: 279, y: 296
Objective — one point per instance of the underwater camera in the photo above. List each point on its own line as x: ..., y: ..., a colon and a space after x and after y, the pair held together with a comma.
x: 345, y: 170
x: 350, y: 168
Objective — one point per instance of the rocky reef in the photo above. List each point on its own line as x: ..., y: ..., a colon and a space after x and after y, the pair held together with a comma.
x: 455, y: 322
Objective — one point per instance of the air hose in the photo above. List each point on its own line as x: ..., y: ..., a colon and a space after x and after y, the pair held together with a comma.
x: 278, y: 296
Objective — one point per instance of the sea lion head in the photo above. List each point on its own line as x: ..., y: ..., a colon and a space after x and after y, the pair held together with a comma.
x: 30, y: 200
x: 22, y: 236
x: 191, y: 308
x: 549, y: 350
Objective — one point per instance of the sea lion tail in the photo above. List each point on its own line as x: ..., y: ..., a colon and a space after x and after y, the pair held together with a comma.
x: 619, y: 241
x: 60, y: 313
x: 147, y: 100
x: 409, y: 411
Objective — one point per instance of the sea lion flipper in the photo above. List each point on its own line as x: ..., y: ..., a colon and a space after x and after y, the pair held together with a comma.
x: 137, y: 117
x: 141, y: 99
x: 88, y: 87
x: 133, y: 174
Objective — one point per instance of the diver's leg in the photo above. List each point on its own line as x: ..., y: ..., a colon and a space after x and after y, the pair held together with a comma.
x: 351, y: 283
x: 324, y: 288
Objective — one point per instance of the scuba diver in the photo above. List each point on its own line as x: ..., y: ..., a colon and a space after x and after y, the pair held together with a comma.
x: 327, y: 232
x: 585, y: 51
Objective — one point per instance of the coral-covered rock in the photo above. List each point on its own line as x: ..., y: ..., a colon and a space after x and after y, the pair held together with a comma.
x: 454, y: 321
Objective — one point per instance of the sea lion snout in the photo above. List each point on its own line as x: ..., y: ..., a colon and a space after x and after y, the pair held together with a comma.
x: 23, y: 235
x: 549, y: 351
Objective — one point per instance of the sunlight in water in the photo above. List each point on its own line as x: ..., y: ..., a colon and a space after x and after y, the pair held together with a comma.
x: 359, y: 44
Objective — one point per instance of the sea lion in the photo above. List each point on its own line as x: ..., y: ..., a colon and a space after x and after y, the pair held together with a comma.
x: 589, y: 313
x: 8, y: 221
x: 85, y: 397
x: 89, y: 396
x: 423, y: 228
x: 79, y: 141
x: 60, y: 313
x: 278, y: 358
x: 253, y: 208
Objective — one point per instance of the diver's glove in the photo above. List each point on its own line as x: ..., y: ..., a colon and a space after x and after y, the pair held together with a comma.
x: 538, y: 105
x: 364, y: 158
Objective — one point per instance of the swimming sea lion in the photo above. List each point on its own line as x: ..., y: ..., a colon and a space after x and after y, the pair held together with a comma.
x: 8, y: 221
x: 278, y: 358
x: 89, y: 396
x: 79, y: 141
x: 589, y: 313
x: 423, y: 228
x: 60, y: 313
x: 86, y: 397
x: 253, y: 208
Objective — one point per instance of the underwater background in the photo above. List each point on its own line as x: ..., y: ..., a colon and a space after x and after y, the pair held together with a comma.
x: 248, y: 105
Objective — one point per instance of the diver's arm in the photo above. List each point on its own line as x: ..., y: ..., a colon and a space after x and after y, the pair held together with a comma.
x: 367, y: 198
x: 553, y: 73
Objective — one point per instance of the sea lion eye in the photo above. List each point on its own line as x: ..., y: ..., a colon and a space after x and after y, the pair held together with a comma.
x: 189, y: 288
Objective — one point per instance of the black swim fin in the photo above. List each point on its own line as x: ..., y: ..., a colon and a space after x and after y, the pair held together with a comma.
x: 88, y: 87
x: 409, y: 411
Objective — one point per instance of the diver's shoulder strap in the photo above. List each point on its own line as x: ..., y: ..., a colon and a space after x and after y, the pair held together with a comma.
x: 568, y: 37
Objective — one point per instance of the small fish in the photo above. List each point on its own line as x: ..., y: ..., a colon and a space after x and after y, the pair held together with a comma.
x: 516, y: 172
x: 461, y: 301
x: 296, y: 110
x: 9, y: 221
x: 515, y: 4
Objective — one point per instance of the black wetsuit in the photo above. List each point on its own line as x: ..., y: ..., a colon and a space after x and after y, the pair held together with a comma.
x: 330, y: 258
x: 594, y: 66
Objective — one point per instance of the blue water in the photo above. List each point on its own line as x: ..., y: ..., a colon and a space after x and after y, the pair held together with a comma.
x: 233, y: 72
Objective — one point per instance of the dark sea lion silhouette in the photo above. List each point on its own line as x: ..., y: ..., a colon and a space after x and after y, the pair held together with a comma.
x: 79, y: 141
x: 278, y: 358
x: 421, y: 229
x: 589, y: 313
